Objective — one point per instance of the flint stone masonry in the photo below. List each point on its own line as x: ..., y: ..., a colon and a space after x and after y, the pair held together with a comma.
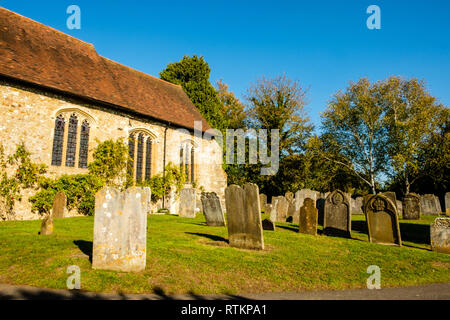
x: 308, y: 217
x: 382, y: 220
x: 263, y: 200
x: 212, y: 209
x: 411, y: 207
x: 447, y: 203
x: 440, y: 235
x: 120, y: 229
x: 244, y: 217
x: 337, y: 217
x: 430, y: 205
x: 59, y: 205
x: 47, y: 226
x: 187, y: 203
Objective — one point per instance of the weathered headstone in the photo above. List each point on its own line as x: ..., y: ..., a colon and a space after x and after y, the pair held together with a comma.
x: 47, y: 226
x: 382, y: 220
x: 337, y: 217
x: 356, y: 205
x: 440, y: 235
x: 300, y: 196
x: 120, y: 229
x: 187, y: 203
x: 291, y: 211
x: 263, y: 201
x: 411, y: 207
x: 289, y: 196
x: 399, y: 208
x: 430, y: 205
x: 268, y: 225
x: 282, y: 208
x: 447, y: 203
x: 268, y: 208
x: 308, y: 217
x: 244, y: 217
x: 212, y: 209
x: 59, y: 205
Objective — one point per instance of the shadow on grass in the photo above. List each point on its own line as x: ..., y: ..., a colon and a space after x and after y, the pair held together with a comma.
x: 417, y: 233
x: 85, y: 247
x: 209, y: 236
x: 360, y: 226
x: 294, y: 229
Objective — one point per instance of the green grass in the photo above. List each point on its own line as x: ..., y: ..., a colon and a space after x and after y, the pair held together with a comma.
x: 186, y: 256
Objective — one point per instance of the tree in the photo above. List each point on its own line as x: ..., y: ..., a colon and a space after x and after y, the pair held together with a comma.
x: 411, y: 117
x: 354, y: 134
x: 233, y: 110
x: 192, y: 74
x: 278, y: 103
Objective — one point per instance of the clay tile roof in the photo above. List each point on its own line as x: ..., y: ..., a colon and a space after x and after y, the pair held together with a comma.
x: 35, y: 53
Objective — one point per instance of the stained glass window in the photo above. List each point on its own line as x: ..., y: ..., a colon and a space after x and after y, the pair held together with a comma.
x: 58, y: 140
x: 148, y: 159
x: 131, y: 153
x: 84, y: 145
x: 140, y: 156
x: 71, y: 141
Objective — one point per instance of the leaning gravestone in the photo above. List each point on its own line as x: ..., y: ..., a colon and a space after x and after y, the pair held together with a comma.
x: 447, y: 203
x: 430, y: 205
x: 59, y: 205
x: 411, y: 207
x: 337, y: 216
x: 187, y: 203
x: 267, y: 224
x: 308, y: 217
x: 263, y: 200
x: 382, y: 220
x: 244, y: 217
x: 212, y: 209
x: 440, y: 235
x: 120, y: 229
x: 47, y: 226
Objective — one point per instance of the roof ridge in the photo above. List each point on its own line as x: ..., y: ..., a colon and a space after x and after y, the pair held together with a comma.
x: 48, y: 27
x: 142, y: 73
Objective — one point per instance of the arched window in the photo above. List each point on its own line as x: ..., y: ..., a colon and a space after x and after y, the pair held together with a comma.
x: 148, y: 159
x: 84, y: 145
x: 192, y: 165
x: 140, y: 156
x: 131, y: 154
x: 71, y: 141
x: 58, y: 141
x: 187, y: 161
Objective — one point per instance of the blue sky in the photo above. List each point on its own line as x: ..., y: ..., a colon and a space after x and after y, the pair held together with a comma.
x: 323, y: 44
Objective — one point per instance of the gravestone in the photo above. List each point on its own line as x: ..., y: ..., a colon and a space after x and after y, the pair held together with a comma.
x: 430, y: 205
x: 282, y: 208
x: 263, y: 200
x: 47, y: 226
x: 187, y: 203
x: 120, y: 229
x: 291, y: 211
x: 212, y: 209
x: 440, y: 235
x: 308, y: 217
x: 399, y: 208
x: 391, y: 195
x: 244, y: 217
x: 172, y: 202
x: 411, y: 207
x: 273, y: 209
x: 59, y: 209
x: 268, y: 208
x: 337, y: 217
x: 356, y: 205
x: 268, y: 225
x: 300, y: 196
x: 447, y: 203
x: 382, y: 220
x: 289, y: 196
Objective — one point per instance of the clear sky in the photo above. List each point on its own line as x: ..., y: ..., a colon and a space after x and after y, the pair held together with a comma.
x: 323, y: 44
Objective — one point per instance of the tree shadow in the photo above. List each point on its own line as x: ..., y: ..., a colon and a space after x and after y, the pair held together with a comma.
x: 209, y: 236
x: 85, y: 247
x: 360, y: 226
x: 417, y: 233
x: 320, y: 205
x: 289, y: 228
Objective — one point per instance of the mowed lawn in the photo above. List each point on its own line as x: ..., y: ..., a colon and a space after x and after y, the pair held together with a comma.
x: 186, y: 256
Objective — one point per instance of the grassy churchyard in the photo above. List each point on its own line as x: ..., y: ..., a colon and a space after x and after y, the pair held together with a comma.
x: 186, y: 256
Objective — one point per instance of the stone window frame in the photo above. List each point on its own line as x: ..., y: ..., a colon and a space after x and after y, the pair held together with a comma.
x: 145, y: 164
x: 187, y: 160
x: 80, y: 144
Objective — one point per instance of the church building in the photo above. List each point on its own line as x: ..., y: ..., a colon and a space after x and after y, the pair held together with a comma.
x: 60, y: 97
